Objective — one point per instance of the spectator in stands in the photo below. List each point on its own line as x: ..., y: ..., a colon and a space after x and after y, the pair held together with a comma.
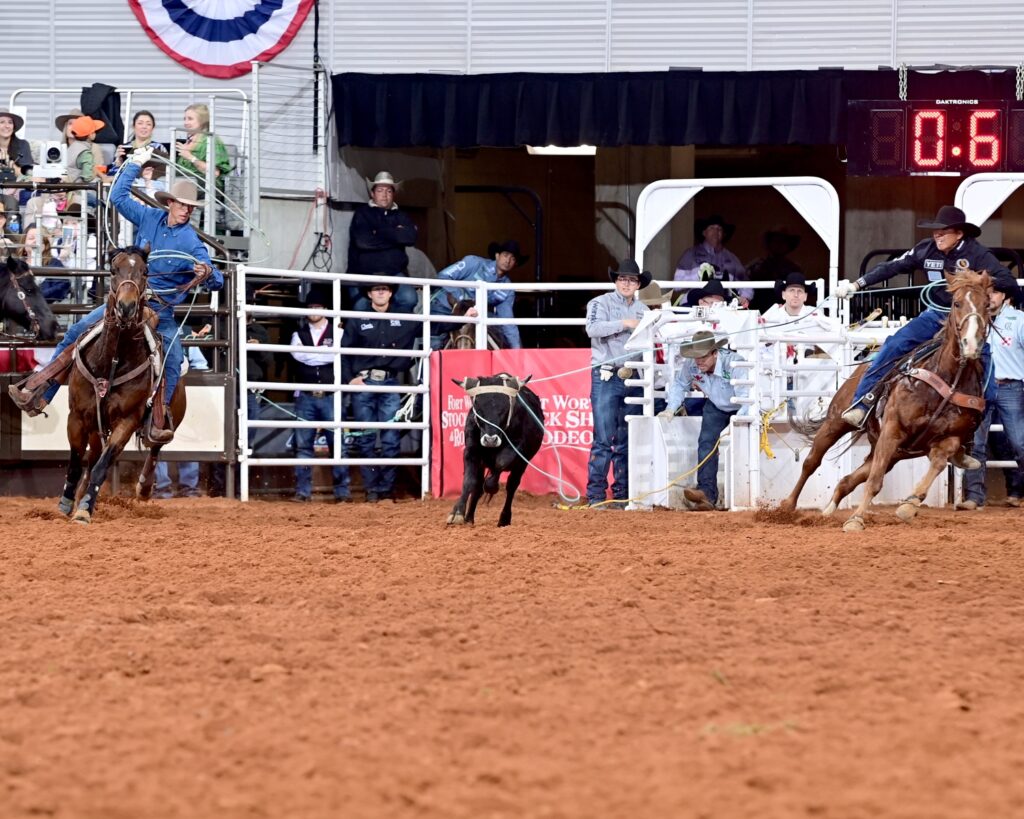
x: 611, y: 319
x: 83, y: 154
x: 315, y: 405
x: 257, y: 366
x: 1006, y: 338
x: 6, y: 242
x: 194, y: 151
x: 378, y: 237
x: 791, y: 312
x: 707, y: 367
x: 502, y: 258
x: 711, y: 294
x: 15, y: 153
x: 709, y: 259
x: 143, y: 125
x: 378, y: 370
x: 37, y: 250
x: 776, y: 265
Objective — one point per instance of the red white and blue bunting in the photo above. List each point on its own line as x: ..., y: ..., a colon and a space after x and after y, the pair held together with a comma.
x: 219, y: 38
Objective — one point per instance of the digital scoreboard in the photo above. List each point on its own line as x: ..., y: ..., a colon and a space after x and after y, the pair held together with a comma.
x: 949, y: 137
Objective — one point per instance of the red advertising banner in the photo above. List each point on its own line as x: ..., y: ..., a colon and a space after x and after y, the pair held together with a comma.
x: 561, y: 379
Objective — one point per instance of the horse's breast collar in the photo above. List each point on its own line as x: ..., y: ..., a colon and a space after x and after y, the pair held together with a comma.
x: 960, y: 399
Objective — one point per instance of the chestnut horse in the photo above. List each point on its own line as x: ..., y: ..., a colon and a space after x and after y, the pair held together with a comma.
x: 117, y: 366
x: 22, y: 302
x: 929, y: 407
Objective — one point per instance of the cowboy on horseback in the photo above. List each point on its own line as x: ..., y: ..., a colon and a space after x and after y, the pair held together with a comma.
x: 953, y: 247
x: 178, y: 261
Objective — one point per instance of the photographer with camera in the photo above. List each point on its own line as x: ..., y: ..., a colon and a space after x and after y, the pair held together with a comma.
x: 15, y: 153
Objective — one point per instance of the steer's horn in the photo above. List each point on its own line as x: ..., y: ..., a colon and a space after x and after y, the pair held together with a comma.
x: 521, y: 382
x: 467, y: 383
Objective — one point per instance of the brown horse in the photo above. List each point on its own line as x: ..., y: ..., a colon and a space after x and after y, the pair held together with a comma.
x: 928, y: 408
x: 22, y: 302
x: 117, y: 365
x: 464, y: 337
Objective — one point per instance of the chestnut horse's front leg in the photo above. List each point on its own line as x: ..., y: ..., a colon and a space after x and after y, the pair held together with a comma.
x: 938, y: 458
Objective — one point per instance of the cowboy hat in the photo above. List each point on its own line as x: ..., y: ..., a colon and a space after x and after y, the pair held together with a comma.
x: 700, y: 344
x: 951, y: 217
x: 712, y: 288
x: 368, y: 286
x: 319, y: 296
x: 795, y: 279
x: 62, y: 120
x: 782, y: 234
x: 714, y: 219
x: 19, y: 123
x: 510, y: 246
x: 652, y: 295
x: 184, y: 191
x: 383, y: 178
x: 629, y: 267
x: 85, y: 126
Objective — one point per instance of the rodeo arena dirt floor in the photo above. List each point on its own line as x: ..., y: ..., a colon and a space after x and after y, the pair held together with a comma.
x: 206, y: 658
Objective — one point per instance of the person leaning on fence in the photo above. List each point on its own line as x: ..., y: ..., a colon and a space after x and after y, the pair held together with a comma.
x: 315, y: 405
x: 708, y: 368
x: 1006, y: 338
x: 378, y: 236
x: 611, y: 319
x: 502, y: 259
x: 380, y: 369
x: 791, y: 313
x: 953, y: 247
x: 193, y: 154
x: 178, y: 261
x: 710, y: 259
x: 143, y: 125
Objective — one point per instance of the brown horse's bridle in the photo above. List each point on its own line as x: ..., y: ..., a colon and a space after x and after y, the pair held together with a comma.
x: 112, y: 299
x: 19, y: 291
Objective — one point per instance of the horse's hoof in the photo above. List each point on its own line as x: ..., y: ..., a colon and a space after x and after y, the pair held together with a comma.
x: 456, y: 520
x: 143, y: 492
x: 854, y: 524
x: 828, y: 510
x: 82, y: 516
x: 65, y: 506
x: 787, y: 506
x: 906, y: 512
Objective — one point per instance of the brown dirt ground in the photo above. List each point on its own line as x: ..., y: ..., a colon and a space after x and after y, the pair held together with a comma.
x: 204, y: 658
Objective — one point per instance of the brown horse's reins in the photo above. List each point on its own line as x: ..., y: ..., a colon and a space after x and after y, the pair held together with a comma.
x: 33, y: 319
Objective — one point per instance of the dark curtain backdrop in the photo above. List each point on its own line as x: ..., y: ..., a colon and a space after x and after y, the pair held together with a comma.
x: 643, y: 108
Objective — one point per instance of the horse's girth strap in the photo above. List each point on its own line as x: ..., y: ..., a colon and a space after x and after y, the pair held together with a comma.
x: 960, y: 399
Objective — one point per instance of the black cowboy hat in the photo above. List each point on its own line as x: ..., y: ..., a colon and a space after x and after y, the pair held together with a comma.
x: 508, y: 246
x: 1012, y: 290
x: 782, y: 234
x: 629, y: 267
x: 368, y: 286
x: 319, y: 295
x: 714, y: 219
x: 951, y: 217
x: 712, y: 288
x: 795, y: 279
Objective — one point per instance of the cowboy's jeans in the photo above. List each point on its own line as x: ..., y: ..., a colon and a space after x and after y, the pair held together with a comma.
x: 377, y: 406
x: 310, y: 408
x: 611, y: 437
x: 1008, y: 410
x: 167, y: 328
x: 714, y: 421
x: 919, y: 330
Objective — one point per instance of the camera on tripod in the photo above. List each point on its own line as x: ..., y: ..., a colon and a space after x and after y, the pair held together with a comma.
x: 53, y: 161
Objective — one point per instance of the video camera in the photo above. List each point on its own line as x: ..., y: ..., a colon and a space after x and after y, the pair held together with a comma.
x: 53, y: 161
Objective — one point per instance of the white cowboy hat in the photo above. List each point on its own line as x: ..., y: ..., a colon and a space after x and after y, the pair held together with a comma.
x: 383, y: 178
x: 184, y: 191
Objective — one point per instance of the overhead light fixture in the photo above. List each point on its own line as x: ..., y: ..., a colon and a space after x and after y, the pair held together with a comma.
x: 558, y: 150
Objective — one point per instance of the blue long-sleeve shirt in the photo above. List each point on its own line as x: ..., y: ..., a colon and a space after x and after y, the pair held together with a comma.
x: 499, y: 302
x: 717, y: 385
x: 165, y: 273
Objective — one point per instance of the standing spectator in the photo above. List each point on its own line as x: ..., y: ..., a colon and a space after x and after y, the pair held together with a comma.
x: 709, y: 259
x: 315, y: 405
x: 257, y: 363
x: 611, y: 319
x: 791, y: 313
x: 378, y: 237
x: 194, y: 151
x: 378, y: 370
x: 776, y: 265
x: 709, y: 369
x: 143, y: 125
x: 711, y: 294
x: 15, y: 153
x: 1006, y: 338
x: 503, y: 257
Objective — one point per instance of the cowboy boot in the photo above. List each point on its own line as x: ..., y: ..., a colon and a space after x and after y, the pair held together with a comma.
x: 156, y: 431
x: 30, y: 398
x: 859, y: 411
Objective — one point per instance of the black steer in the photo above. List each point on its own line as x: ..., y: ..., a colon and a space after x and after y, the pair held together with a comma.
x: 504, y: 430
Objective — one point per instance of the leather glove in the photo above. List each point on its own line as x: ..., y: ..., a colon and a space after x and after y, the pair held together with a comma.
x: 140, y: 156
x: 845, y: 289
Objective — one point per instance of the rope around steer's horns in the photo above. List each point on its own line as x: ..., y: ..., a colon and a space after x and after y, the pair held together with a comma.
x: 503, y: 389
